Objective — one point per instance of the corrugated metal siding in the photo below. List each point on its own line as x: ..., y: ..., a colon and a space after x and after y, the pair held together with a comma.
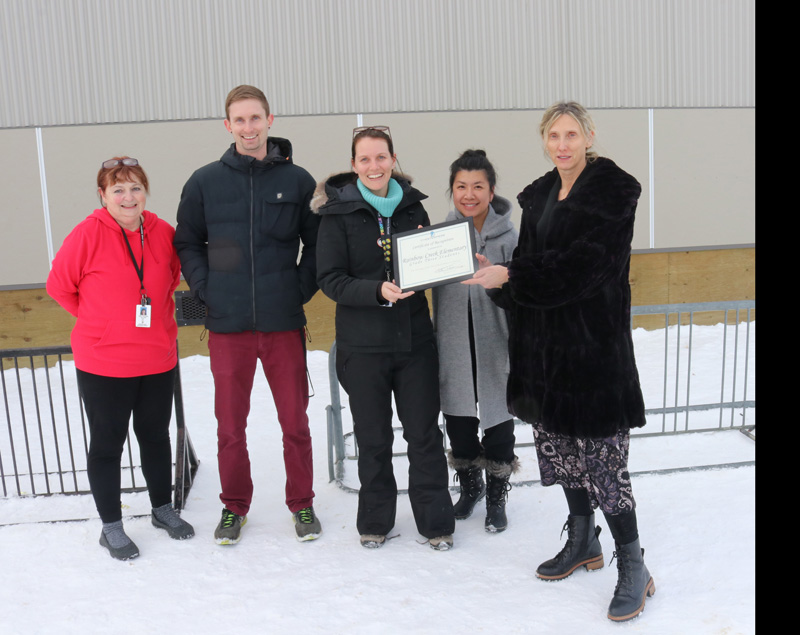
x: 98, y: 61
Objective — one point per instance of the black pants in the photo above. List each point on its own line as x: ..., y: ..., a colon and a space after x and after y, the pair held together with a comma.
x: 497, y: 445
x: 109, y: 402
x: 370, y: 379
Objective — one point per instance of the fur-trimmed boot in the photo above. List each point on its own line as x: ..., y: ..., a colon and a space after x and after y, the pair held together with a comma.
x: 497, y: 487
x: 582, y: 549
x: 634, y: 585
x: 469, y: 474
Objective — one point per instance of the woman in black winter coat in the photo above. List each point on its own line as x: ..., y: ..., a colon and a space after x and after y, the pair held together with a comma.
x: 573, y: 373
x: 384, y: 339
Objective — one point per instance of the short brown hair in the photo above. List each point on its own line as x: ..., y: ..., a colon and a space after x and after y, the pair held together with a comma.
x: 122, y: 174
x: 245, y: 92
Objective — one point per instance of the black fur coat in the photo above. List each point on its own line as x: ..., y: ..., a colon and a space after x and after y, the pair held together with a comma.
x: 571, y: 352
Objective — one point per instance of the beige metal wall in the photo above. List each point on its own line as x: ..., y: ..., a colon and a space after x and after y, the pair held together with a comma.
x: 703, y: 186
x: 100, y: 61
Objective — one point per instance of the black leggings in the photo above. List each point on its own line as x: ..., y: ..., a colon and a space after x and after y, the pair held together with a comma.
x: 109, y: 402
x: 497, y: 445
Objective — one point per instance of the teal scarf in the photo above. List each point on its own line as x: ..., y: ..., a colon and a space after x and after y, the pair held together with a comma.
x: 387, y: 205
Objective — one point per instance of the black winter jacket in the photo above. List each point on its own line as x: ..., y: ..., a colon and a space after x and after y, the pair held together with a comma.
x: 350, y: 268
x: 240, y: 224
x: 570, y: 347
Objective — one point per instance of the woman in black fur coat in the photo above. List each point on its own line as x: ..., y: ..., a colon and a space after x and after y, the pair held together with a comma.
x: 573, y: 372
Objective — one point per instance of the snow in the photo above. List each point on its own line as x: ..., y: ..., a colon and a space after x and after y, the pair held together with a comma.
x: 698, y: 529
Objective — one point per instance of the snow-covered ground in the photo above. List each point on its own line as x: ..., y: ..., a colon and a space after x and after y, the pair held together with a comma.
x: 698, y: 529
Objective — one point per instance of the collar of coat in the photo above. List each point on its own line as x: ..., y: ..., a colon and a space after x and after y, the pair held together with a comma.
x: 279, y: 150
x: 607, y: 191
x: 338, y: 194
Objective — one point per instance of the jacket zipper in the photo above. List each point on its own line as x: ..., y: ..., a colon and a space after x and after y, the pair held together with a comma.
x: 252, y: 250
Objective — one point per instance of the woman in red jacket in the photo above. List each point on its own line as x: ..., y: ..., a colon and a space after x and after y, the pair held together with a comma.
x: 116, y: 272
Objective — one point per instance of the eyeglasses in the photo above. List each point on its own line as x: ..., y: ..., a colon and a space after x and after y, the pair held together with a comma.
x: 360, y: 129
x: 112, y: 163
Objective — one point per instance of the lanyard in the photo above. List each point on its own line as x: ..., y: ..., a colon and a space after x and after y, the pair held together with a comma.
x: 139, y: 267
x: 386, y: 243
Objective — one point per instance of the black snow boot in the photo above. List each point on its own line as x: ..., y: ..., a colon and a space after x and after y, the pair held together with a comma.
x: 635, y: 584
x: 582, y: 549
x: 470, y: 475
x: 497, y: 487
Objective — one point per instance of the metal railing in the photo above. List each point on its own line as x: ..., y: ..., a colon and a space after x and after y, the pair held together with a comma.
x: 45, y: 446
x: 678, y: 369
x: 676, y: 408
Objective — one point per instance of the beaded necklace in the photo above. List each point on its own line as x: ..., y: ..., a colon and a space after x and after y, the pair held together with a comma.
x: 385, y: 242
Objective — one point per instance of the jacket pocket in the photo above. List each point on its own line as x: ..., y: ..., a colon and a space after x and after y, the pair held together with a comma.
x: 122, y: 341
x: 279, y: 216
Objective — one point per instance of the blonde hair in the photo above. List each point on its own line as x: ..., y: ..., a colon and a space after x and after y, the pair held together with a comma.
x: 578, y: 113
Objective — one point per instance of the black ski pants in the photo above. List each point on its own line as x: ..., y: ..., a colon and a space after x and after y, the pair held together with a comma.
x: 370, y: 379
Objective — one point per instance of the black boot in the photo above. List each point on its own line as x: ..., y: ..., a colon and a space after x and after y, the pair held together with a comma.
x: 470, y: 475
x: 635, y: 584
x: 497, y: 487
x: 582, y: 549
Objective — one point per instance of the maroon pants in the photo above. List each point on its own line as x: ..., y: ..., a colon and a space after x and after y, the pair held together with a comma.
x: 233, y: 364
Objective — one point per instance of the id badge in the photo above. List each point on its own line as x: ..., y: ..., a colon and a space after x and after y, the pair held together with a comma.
x: 143, y: 315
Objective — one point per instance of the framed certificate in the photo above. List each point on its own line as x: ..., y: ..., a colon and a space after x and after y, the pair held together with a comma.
x: 435, y: 255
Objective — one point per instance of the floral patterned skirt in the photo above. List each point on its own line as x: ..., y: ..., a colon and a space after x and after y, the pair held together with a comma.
x: 600, y: 466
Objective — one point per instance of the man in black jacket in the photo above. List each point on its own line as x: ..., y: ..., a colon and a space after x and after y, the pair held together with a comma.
x: 241, y: 221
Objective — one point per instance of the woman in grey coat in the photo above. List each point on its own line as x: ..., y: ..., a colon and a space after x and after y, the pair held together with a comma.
x: 473, y: 371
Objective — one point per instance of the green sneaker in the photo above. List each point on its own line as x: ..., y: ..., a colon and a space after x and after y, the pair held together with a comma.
x: 306, y: 524
x: 229, y: 530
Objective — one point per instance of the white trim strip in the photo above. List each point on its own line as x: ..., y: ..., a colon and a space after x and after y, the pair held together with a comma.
x: 45, y: 201
x: 652, y: 177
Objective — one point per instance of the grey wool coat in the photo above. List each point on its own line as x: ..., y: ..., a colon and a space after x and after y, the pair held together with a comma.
x: 496, y: 240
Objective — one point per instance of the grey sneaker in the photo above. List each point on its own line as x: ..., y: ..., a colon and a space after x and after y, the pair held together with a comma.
x: 114, y: 538
x: 441, y: 543
x: 165, y: 517
x: 372, y: 541
x: 306, y: 524
x: 229, y: 530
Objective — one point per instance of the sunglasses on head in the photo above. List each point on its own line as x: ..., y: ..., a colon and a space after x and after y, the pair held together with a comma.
x: 360, y: 129
x: 112, y: 163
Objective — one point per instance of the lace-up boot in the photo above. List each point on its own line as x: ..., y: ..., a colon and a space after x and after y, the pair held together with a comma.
x: 469, y: 474
x: 634, y: 585
x: 581, y: 549
x: 497, y: 488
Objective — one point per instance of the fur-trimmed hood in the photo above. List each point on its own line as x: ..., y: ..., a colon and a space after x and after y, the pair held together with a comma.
x: 342, y: 188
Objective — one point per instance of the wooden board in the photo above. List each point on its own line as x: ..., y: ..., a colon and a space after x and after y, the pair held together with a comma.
x: 30, y: 318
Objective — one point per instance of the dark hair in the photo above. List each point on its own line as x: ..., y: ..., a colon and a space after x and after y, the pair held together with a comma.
x: 472, y: 160
x: 121, y: 174
x: 375, y: 134
x: 240, y: 93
